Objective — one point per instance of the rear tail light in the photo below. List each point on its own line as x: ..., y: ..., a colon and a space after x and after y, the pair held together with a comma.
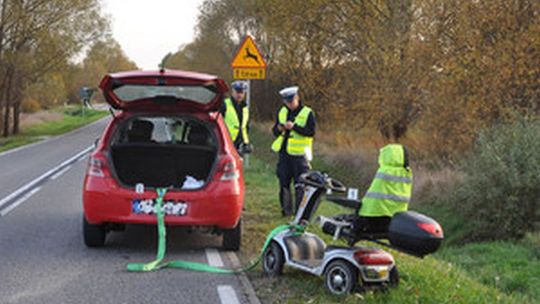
x: 97, y: 166
x: 432, y: 228
x: 228, y: 169
x: 373, y: 257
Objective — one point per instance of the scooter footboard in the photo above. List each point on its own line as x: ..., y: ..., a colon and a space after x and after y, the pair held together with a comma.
x: 415, y: 233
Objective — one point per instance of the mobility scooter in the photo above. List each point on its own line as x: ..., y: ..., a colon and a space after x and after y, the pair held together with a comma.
x: 346, y: 268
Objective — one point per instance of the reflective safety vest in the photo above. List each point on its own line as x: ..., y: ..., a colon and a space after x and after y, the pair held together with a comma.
x: 296, y: 144
x: 391, y: 189
x: 233, y: 123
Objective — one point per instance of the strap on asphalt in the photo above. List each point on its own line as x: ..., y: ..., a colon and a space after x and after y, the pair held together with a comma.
x: 194, y: 266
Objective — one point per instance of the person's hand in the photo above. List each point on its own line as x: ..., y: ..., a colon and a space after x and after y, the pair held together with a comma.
x: 280, y: 128
x: 289, y: 125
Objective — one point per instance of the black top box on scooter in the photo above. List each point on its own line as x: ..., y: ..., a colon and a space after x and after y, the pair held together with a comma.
x: 415, y: 233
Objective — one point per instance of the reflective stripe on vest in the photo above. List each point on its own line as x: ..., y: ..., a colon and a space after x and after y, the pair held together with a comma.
x: 392, y: 178
x: 296, y: 144
x: 232, y: 122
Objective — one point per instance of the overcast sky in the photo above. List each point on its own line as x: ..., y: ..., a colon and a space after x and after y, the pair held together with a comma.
x: 148, y: 29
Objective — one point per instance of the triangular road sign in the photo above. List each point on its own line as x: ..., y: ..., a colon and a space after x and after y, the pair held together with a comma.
x: 248, y: 55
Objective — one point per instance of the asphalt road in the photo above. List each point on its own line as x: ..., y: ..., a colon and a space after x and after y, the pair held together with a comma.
x: 42, y: 255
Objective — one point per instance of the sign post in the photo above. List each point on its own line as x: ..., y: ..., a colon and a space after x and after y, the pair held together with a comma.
x: 248, y: 64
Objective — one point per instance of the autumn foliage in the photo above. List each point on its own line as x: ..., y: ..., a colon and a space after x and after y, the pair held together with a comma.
x: 41, y: 46
x: 446, y: 69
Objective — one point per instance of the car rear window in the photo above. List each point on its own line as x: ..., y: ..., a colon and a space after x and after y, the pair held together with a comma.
x: 165, y: 130
x: 132, y: 92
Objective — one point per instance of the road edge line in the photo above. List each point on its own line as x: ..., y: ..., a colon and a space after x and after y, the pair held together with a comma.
x: 213, y: 257
x: 50, y: 138
x: 244, y: 280
x: 227, y: 294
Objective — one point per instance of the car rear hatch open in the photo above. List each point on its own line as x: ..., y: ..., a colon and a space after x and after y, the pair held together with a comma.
x: 165, y: 90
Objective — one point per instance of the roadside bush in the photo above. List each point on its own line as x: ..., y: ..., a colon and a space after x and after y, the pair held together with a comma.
x: 500, y: 193
x: 30, y: 105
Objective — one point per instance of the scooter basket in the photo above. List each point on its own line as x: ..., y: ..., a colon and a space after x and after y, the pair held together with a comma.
x: 415, y: 233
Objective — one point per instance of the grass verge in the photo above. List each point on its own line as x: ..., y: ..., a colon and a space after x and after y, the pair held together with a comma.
x: 430, y: 280
x: 72, y: 119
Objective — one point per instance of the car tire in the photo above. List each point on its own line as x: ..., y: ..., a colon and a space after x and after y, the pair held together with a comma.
x: 94, y: 235
x: 232, y: 238
x: 273, y: 260
x: 340, y: 277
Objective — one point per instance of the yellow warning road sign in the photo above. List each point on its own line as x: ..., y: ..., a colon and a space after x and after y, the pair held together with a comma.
x: 248, y: 56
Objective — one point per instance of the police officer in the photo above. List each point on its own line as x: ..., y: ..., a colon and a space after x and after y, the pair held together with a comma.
x: 236, y: 115
x: 294, y: 130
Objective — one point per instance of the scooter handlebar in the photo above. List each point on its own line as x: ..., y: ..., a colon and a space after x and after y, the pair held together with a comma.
x: 335, y: 185
x: 322, y: 180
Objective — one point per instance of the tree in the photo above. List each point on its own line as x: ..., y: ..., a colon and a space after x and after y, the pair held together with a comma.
x: 35, y: 37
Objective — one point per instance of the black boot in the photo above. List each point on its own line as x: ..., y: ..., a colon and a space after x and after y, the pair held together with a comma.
x: 285, y: 200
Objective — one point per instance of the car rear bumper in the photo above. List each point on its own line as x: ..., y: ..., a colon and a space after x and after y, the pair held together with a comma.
x: 218, y: 204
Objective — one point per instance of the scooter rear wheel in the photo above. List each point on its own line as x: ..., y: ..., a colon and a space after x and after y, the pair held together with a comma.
x: 394, y: 277
x: 273, y: 260
x: 340, y: 277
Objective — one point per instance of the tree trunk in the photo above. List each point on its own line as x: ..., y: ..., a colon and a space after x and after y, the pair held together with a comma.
x: 16, y: 114
x: 7, y: 101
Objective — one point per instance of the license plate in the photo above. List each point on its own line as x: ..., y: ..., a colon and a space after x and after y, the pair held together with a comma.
x: 148, y: 206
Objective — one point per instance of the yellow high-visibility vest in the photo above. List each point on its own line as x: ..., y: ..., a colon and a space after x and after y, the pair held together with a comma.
x: 391, y: 189
x: 234, y: 125
x: 296, y: 144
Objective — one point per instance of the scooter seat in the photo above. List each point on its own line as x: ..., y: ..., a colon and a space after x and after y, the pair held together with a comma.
x: 345, y: 202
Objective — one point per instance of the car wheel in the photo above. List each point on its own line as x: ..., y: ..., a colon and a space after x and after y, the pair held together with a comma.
x: 394, y: 277
x: 340, y: 277
x: 232, y: 237
x: 94, y: 235
x: 273, y: 260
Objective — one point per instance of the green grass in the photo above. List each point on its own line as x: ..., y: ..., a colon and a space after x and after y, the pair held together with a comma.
x: 448, y: 277
x: 511, y: 267
x: 72, y: 119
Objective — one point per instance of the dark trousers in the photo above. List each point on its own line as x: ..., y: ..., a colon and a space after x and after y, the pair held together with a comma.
x: 289, y: 168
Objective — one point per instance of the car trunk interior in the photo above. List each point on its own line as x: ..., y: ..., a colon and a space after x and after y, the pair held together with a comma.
x: 163, y: 152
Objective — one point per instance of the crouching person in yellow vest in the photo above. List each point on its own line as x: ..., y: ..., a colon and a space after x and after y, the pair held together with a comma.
x: 294, y: 130
x: 236, y: 115
x: 389, y: 193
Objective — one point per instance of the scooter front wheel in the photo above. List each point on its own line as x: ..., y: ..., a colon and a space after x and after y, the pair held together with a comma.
x: 273, y: 260
x: 340, y: 277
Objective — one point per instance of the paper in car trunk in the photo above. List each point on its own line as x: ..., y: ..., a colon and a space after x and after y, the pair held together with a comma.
x: 159, y: 165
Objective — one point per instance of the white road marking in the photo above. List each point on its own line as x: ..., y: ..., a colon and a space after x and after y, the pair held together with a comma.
x: 59, y: 173
x: 48, y: 139
x: 19, y: 201
x: 43, y: 177
x: 227, y: 295
x: 23, y: 147
x: 246, y: 284
x: 213, y: 257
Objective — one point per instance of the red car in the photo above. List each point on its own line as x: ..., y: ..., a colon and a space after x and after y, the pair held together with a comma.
x: 170, y: 134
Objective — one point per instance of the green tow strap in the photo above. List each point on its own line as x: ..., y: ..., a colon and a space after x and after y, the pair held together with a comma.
x: 157, y: 263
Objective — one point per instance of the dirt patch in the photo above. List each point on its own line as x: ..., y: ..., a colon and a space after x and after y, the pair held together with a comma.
x: 39, y: 117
